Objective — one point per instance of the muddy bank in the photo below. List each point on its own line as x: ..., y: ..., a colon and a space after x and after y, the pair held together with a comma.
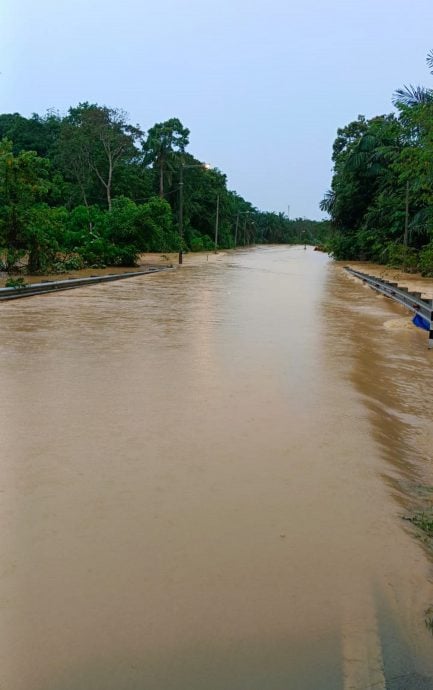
x: 414, y: 281
x: 145, y: 260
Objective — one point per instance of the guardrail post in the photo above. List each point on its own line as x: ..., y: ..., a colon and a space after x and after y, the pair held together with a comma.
x: 430, y: 333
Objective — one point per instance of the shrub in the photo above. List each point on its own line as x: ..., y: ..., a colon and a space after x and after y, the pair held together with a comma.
x: 201, y: 243
x: 343, y: 247
x: 15, y: 260
x: 72, y: 262
x: 100, y: 252
x: 400, y: 256
x: 15, y: 283
x: 197, y: 244
x: 426, y: 260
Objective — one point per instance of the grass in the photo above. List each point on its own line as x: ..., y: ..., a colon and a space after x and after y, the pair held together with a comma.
x: 429, y: 619
x: 424, y: 521
x: 15, y: 283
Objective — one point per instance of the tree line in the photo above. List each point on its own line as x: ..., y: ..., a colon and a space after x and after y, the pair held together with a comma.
x: 381, y: 197
x: 91, y: 189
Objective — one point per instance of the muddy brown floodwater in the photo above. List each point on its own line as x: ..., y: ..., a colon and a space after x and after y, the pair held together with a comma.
x: 203, y: 478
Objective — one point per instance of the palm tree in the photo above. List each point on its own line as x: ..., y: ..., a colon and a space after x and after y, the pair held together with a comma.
x: 328, y: 202
x: 415, y: 95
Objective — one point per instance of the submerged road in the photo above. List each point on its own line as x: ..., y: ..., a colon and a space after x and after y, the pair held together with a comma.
x: 51, y: 286
x: 203, y: 478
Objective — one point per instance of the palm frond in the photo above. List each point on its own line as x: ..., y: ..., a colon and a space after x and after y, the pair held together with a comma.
x: 356, y: 161
x: 327, y: 203
x: 412, y: 95
x: 429, y: 60
x: 375, y: 168
x: 422, y: 218
x: 368, y: 143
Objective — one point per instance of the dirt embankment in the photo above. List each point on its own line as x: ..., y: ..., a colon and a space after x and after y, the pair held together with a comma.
x: 148, y: 259
x: 145, y: 260
x: 413, y: 281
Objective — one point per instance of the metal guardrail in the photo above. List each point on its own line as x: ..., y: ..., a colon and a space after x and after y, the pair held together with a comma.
x: 70, y: 283
x: 402, y: 295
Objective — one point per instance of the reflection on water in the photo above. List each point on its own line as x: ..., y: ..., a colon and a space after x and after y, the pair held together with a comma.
x: 200, y: 474
x: 392, y: 370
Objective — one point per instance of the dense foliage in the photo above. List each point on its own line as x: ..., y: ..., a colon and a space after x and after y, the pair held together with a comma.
x: 89, y: 188
x: 381, y: 197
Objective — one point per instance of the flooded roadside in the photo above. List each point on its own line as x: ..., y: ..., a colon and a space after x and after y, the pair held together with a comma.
x: 414, y: 281
x: 85, y: 272
x: 204, y: 477
x: 145, y: 260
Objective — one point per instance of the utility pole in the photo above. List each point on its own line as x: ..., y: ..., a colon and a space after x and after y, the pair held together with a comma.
x: 181, y: 213
x: 406, y: 225
x: 236, y: 230
x: 217, y: 222
x: 182, y: 167
x: 406, y: 217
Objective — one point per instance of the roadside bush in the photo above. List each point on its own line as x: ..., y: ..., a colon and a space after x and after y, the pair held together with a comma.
x: 14, y: 261
x: 99, y: 253
x: 43, y: 236
x: 148, y: 227
x: 197, y: 244
x: 200, y: 243
x: 400, y: 256
x: 155, y: 231
x: 15, y: 283
x: 123, y: 256
x: 343, y: 247
x: 72, y: 262
x: 426, y: 260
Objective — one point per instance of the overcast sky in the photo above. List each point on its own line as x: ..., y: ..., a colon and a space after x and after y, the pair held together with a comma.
x: 261, y: 84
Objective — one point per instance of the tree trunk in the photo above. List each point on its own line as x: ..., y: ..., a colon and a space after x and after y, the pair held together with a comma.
x: 110, y: 176
x: 35, y: 258
x: 161, y: 179
x: 83, y: 193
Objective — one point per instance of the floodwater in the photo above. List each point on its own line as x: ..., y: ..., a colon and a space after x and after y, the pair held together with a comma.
x: 204, y: 474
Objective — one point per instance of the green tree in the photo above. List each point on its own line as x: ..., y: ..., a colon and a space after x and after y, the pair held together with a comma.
x: 23, y: 182
x: 381, y: 197
x: 36, y: 133
x: 43, y: 236
x: 94, y: 142
x: 364, y: 178
x: 163, y: 141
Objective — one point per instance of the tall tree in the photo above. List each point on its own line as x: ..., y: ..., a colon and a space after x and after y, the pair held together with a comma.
x: 96, y: 140
x: 364, y: 179
x: 31, y: 134
x: 381, y: 199
x: 163, y: 141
